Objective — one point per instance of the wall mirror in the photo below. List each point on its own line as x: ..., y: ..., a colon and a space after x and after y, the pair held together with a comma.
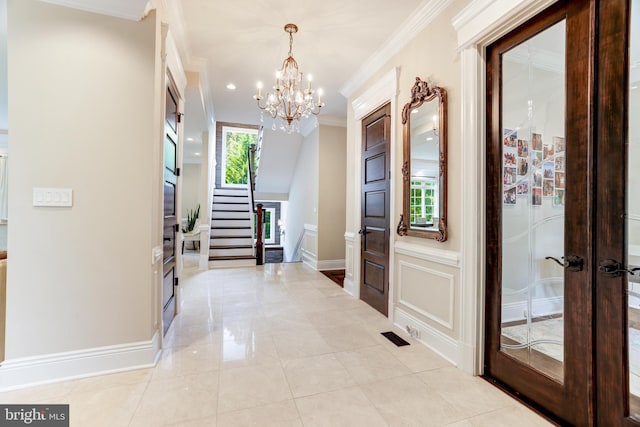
x: 424, y: 170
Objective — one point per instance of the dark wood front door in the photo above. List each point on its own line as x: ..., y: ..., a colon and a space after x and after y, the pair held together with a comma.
x: 562, y: 170
x: 170, y: 221
x: 374, y: 229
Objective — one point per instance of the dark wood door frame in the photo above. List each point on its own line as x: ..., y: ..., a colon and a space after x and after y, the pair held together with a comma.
x: 571, y: 401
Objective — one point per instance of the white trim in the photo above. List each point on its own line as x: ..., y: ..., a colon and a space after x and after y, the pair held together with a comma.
x: 448, y: 322
x: 36, y: 370
x: 311, y: 227
x: 426, y: 253
x: 132, y: 10
x: 477, y: 25
x: 174, y: 65
x: 440, y: 343
x: 411, y: 27
x: 205, y: 231
x: 383, y: 91
x: 200, y: 66
x: 340, y: 122
x: 349, y: 236
x: 348, y: 283
x: 331, y: 264
x: 378, y: 94
x: 309, y: 259
x: 484, y: 21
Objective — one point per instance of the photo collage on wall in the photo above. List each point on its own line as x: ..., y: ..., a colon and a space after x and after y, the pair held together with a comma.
x: 533, y: 169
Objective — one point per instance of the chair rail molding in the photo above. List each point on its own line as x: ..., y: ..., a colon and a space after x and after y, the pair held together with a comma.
x: 477, y: 25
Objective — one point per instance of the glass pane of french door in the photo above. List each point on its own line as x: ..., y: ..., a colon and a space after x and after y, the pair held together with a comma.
x: 633, y: 211
x: 533, y: 201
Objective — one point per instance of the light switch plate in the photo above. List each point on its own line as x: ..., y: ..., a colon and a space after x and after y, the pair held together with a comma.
x: 53, y: 197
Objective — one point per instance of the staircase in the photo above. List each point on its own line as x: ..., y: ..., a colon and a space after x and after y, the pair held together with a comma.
x: 231, y: 229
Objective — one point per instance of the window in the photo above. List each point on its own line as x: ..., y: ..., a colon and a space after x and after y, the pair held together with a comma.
x: 269, y: 229
x: 423, y: 200
x: 235, y: 142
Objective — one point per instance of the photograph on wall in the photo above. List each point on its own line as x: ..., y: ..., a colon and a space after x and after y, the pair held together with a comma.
x: 509, y: 138
x: 559, y: 144
x: 523, y: 166
x: 523, y: 188
x: 547, y: 188
x: 558, y: 198
x: 559, y: 180
x: 509, y: 159
x: 536, y: 196
x: 523, y: 148
x: 537, y: 178
x: 536, y: 142
x: 548, y: 167
x: 509, y: 176
x: 548, y: 151
x: 509, y: 196
x: 536, y: 158
x: 559, y: 163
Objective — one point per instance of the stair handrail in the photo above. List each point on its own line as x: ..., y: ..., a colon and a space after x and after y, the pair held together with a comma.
x: 256, y: 209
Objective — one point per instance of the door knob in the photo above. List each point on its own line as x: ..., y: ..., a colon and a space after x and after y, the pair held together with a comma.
x: 362, y: 231
x: 571, y: 262
x: 613, y: 268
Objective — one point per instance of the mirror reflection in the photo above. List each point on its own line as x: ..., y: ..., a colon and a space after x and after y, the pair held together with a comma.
x: 425, y: 167
x: 425, y: 163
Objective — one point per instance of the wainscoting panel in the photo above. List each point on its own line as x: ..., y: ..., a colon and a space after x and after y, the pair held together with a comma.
x: 428, y: 292
x: 310, y: 246
x: 349, y: 285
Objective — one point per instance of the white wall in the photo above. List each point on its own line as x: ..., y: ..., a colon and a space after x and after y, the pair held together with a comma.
x: 3, y: 66
x: 191, y: 188
x: 303, y: 194
x: 332, y: 192
x: 82, y: 102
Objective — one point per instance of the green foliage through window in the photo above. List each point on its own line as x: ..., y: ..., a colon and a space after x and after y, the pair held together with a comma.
x: 422, y: 201
x: 266, y: 227
x: 236, y: 145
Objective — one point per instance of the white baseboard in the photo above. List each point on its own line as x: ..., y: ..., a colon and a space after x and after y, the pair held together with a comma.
x: 331, y: 264
x: 440, y: 343
x: 351, y: 288
x: 310, y: 259
x: 49, y: 368
x: 515, y: 311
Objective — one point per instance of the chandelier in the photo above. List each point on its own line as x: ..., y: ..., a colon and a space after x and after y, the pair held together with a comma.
x: 289, y: 102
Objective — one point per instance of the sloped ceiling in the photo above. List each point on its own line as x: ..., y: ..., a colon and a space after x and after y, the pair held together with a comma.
x: 127, y: 9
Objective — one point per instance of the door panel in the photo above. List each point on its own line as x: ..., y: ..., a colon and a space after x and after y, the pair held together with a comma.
x: 170, y: 219
x: 374, y: 282
x: 538, y: 201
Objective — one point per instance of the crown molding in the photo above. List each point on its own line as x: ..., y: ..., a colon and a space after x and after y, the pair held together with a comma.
x: 411, y: 27
x: 132, y: 10
x: 177, y: 27
x: 380, y: 92
x: 333, y: 121
x: 199, y: 65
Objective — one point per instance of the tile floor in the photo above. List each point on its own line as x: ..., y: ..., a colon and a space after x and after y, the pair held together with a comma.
x: 281, y: 345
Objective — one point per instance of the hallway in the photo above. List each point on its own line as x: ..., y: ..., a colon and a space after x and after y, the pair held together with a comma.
x: 281, y: 345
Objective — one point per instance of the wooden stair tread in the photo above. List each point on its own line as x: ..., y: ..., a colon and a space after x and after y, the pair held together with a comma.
x: 230, y: 257
x: 231, y: 247
x: 230, y: 228
x: 231, y: 237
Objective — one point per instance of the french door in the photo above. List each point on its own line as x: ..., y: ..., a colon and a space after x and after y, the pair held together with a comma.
x: 563, y: 223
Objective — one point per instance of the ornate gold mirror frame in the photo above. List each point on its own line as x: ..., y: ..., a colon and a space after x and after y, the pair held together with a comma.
x: 424, y: 169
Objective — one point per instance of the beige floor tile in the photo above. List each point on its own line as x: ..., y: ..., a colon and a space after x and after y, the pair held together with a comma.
x: 242, y: 388
x: 297, y: 344
x: 416, y: 356
x: 408, y: 401
x: 201, y: 422
x: 108, y: 407
x: 346, y: 407
x: 346, y: 337
x: 50, y: 393
x: 317, y: 374
x: 509, y: 417
x: 249, y: 349
x: 281, y: 414
x: 371, y: 364
x: 178, y: 399
x: 181, y: 361
x: 91, y: 384
x: 471, y: 395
